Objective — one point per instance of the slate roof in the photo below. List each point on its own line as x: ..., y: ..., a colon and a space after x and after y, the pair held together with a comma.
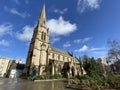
x: 60, y: 51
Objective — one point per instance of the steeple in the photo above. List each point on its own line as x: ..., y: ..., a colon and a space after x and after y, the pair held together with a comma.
x: 42, y: 18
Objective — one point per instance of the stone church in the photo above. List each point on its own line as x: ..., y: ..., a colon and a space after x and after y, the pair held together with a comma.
x: 41, y: 54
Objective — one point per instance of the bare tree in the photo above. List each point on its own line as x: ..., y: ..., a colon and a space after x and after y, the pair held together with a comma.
x: 114, y: 55
x: 114, y: 51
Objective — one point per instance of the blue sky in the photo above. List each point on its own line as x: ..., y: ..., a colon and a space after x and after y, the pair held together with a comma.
x: 78, y: 26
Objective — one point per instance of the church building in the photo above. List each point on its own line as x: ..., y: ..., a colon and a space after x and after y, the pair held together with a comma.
x: 41, y: 54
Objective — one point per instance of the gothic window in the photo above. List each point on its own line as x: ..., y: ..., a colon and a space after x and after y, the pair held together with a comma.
x: 44, y: 22
x: 53, y: 55
x: 59, y: 68
x: 63, y: 58
x: 58, y: 57
x: 43, y: 36
x: 31, y: 54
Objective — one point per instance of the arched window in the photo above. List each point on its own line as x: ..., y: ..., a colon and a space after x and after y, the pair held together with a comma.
x: 44, y: 22
x: 42, y: 34
x: 59, y: 68
x: 53, y: 55
x: 63, y: 58
x: 58, y: 57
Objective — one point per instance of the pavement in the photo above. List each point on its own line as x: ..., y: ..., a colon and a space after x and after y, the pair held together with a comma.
x: 21, y: 84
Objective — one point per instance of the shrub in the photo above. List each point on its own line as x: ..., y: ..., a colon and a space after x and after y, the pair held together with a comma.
x: 75, y: 81
x: 52, y: 77
x: 113, y: 80
x: 58, y: 76
x: 39, y: 77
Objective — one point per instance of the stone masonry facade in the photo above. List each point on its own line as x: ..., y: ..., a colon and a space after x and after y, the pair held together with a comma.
x: 41, y: 54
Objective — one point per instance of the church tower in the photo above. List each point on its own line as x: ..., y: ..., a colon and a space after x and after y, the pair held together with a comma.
x: 38, y: 49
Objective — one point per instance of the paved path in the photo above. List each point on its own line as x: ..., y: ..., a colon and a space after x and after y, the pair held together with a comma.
x: 19, y: 84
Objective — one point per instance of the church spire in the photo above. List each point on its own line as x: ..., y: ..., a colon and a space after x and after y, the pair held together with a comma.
x: 42, y: 18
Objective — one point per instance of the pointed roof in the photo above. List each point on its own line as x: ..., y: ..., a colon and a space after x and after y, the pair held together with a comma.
x: 42, y: 18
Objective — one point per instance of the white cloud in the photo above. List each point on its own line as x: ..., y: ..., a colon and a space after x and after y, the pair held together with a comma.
x: 96, y: 49
x: 60, y: 26
x: 6, y: 29
x: 86, y: 39
x: 83, y: 5
x: 15, y: 12
x: 99, y: 52
x: 27, y: 33
x: 102, y: 53
x: 82, y: 49
x: 57, y: 27
x: 96, y: 52
x: 60, y: 11
x: 55, y: 39
x: 4, y: 43
x: 66, y: 45
x: 82, y: 40
x: 77, y: 40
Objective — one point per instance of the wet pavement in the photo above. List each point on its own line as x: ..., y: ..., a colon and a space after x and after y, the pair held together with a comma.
x: 19, y: 84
